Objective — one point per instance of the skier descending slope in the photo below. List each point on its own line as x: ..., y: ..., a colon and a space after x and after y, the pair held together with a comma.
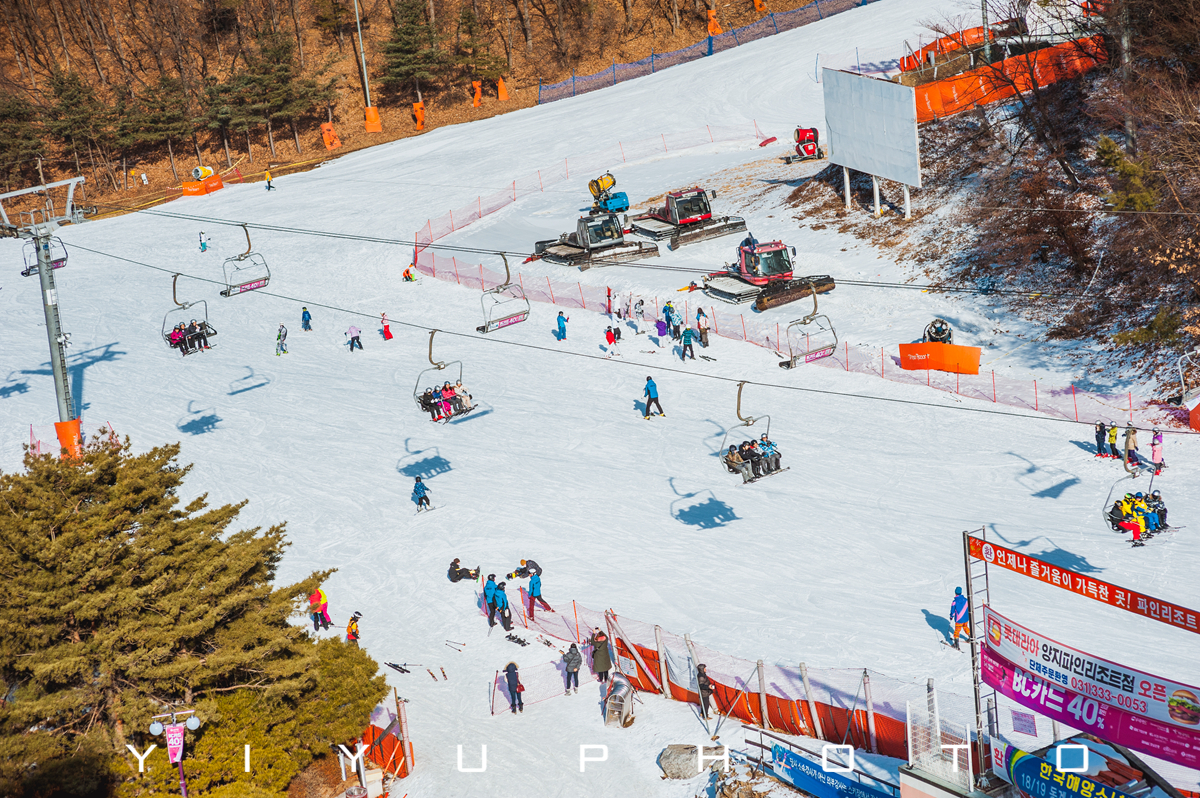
x: 305, y: 320
x: 420, y: 495
x: 281, y: 341
x: 651, y: 394
x: 959, y: 617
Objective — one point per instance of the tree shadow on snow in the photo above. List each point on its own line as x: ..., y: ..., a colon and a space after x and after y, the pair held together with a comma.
x: 423, y: 463
x: 707, y: 513
x: 201, y: 421
x: 939, y: 624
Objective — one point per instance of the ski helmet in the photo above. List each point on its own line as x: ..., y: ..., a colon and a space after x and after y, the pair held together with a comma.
x: 958, y: 591
x: 491, y: 577
x: 522, y: 562
x: 418, y: 479
x: 501, y: 585
x: 1137, y: 495
x: 1157, y: 494
x: 357, y: 615
x: 1128, y: 495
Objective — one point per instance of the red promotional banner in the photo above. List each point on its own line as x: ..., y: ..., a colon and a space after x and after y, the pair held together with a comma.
x: 1122, y: 598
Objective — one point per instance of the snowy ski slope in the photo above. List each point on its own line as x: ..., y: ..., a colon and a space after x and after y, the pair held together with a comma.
x: 848, y: 560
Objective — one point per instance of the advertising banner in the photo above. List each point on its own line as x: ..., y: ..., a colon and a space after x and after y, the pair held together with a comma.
x: 1038, y: 778
x: 940, y: 357
x: 1108, y: 722
x: 808, y: 776
x: 1128, y: 600
x: 174, y: 732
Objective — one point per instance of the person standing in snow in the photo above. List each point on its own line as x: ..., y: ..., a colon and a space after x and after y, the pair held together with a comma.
x: 573, y: 660
x: 639, y: 316
x: 267, y: 175
x: 702, y: 326
x: 1156, y: 456
x: 562, y: 327
x: 651, y: 394
x: 1101, y: 434
x: 354, y: 332
x: 515, y: 688
x: 281, y: 341
x: 704, y: 686
x: 318, y: 608
x: 1131, y: 444
x: 686, y: 340
x: 601, y: 661
x: 501, y: 599
x: 535, y: 595
x: 352, y: 629
x: 387, y: 327
x: 305, y: 320
x: 611, y: 338
x: 959, y: 616
x: 420, y: 495
x: 1112, y: 439
x: 489, y: 598
x: 660, y: 327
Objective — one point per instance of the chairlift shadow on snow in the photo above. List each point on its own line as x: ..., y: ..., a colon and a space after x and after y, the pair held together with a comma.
x: 1040, y: 480
x: 248, y: 383
x: 478, y: 410
x: 1087, y: 446
x: 11, y: 388
x: 1053, y: 554
x: 709, y: 513
x: 202, y: 421
x: 939, y: 624
x: 423, y: 463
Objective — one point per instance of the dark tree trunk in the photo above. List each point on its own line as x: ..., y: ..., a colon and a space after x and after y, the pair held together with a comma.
x: 171, y: 154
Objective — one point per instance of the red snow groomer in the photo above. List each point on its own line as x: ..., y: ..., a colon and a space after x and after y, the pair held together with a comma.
x: 685, y: 219
x: 807, y: 146
x: 763, y: 274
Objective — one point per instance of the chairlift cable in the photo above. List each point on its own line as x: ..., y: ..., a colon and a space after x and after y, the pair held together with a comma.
x: 639, y: 365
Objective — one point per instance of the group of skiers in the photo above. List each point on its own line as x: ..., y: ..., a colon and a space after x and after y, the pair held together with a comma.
x: 671, y: 326
x: 753, y: 459
x: 1143, y: 515
x: 1106, y: 445
x: 572, y: 660
x: 497, y: 599
x: 446, y: 402
x: 188, y: 338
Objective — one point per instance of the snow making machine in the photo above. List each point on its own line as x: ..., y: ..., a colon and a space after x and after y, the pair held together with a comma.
x: 597, y: 241
x: 686, y: 218
x: 938, y: 331
x: 618, y: 704
x: 763, y: 274
x: 607, y: 200
x: 807, y: 146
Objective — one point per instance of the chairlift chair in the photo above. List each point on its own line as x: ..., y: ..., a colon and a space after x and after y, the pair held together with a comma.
x: 177, y: 314
x: 503, y: 305
x: 746, y: 421
x: 435, y: 367
x: 1188, y: 397
x: 245, y: 272
x: 57, y: 254
x: 810, y: 338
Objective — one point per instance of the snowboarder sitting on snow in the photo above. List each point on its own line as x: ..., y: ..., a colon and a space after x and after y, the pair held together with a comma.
x: 573, y: 660
x: 408, y: 275
x: 457, y: 573
x: 770, y: 453
x: 528, y: 568
x: 734, y: 462
x: 959, y: 616
x: 420, y: 495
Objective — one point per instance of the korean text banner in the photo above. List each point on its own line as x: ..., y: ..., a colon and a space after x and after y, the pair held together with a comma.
x: 808, y: 776
x: 1122, y: 598
x: 1124, y: 688
x: 1036, y: 777
x: 1106, y: 722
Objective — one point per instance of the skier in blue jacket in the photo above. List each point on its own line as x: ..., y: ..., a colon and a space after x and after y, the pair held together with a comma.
x: 489, y: 597
x: 420, y: 495
x: 959, y: 616
x: 535, y: 595
x: 500, y: 598
x: 562, y: 327
x: 651, y: 394
x: 305, y: 320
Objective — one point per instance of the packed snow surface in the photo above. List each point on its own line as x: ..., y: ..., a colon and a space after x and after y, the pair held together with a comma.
x: 848, y: 560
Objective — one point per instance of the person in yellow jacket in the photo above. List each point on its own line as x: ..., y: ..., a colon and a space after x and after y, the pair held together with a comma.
x: 1112, y: 440
x: 1129, y: 508
x: 352, y: 628
x: 267, y: 175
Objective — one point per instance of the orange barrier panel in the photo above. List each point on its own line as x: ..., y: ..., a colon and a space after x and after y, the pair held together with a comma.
x: 332, y: 142
x: 385, y: 751
x: 1194, y: 418
x: 419, y: 115
x: 501, y: 90
x: 68, y: 437
x: 639, y: 678
x: 373, y: 125
x: 714, y: 27
x: 213, y: 183
x: 940, y: 357
x: 477, y: 85
x: 193, y: 188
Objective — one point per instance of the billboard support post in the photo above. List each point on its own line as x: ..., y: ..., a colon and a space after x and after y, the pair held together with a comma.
x: 907, y: 205
x: 875, y: 192
x: 846, y: 184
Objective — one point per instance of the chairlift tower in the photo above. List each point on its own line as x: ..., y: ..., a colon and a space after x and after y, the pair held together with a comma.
x: 40, y: 237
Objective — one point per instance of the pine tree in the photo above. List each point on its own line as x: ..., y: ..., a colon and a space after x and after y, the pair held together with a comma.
x: 471, y: 52
x: 121, y: 603
x: 165, y: 112
x: 20, y: 139
x: 77, y: 115
x: 411, y: 56
x: 1132, y: 192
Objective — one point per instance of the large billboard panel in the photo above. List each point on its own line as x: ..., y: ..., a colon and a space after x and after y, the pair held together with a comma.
x: 872, y: 126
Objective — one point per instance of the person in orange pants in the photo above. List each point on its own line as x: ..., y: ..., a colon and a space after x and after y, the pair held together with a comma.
x: 960, y: 616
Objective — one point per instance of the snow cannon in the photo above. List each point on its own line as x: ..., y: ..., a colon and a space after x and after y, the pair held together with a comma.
x: 938, y: 331
x: 618, y: 704
x: 607, y: 200
x: 807, y: 146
